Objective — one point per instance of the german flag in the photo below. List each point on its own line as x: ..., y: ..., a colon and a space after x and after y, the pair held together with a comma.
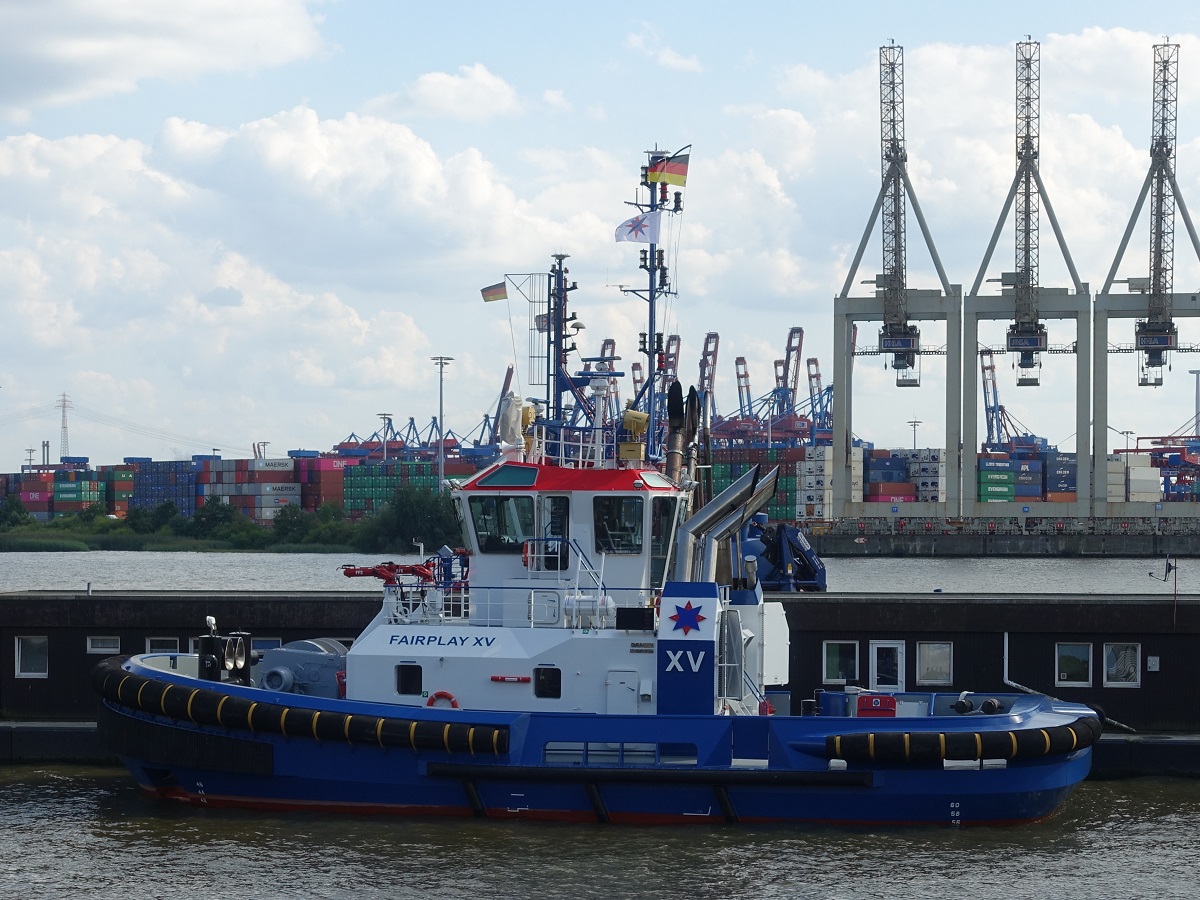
x: 494, y: 292
x: 672, y: 170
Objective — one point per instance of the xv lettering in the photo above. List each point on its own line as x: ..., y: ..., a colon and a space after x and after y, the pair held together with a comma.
x: 675, y: 657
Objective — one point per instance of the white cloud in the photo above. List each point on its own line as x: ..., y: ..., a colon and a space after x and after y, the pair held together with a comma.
x: 649, y: 43
x: 556, y: 100
x: 473, y: 95
x: 55, y: 52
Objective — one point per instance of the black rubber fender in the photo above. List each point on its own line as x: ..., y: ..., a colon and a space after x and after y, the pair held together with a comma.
x: 923, y: 748
x: 214, y: 708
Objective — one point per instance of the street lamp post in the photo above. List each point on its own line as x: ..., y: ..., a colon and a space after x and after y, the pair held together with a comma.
x: 387, y: 418
x: 914, y: 423
x: 441, y: 362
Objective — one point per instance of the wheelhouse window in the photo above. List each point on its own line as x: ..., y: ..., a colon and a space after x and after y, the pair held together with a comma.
x: 33, y: 656
x: 663, y: 516
x: 502, y: 523
x: 1073, y: 665
x: 935, y: 662
x: 618, y: 523
x: 547, y: 682
x: 841, y: 661
x: 107, y: 645
x: 1122, y: 665
x: 408, y: 679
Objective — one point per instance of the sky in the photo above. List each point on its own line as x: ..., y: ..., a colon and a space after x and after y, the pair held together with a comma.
x: 226, y: 223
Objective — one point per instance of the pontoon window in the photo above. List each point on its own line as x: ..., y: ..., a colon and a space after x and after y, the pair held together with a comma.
x: 1122, y: 665
x: 108, y: 644
x: 502, y: 524
x: 33, y: 656
x: 841, y: 662
x: 935, y: 662
x: 618, y: 523
x: 1073, y: 665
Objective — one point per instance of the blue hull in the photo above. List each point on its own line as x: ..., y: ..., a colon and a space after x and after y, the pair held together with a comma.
x: 572, y: 767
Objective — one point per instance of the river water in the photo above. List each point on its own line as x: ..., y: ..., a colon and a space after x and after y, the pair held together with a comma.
x: 69, y: 831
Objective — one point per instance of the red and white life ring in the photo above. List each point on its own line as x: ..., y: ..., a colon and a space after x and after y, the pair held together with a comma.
x: 442, y: 695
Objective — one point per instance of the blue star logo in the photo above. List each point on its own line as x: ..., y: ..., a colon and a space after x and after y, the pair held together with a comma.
x: 687, y: 618
x: 637, y: 226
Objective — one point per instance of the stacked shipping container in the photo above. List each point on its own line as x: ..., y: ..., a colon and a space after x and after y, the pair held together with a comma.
x: 1037, y: 475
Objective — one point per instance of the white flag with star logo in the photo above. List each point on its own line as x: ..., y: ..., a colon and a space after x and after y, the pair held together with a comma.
x: 641, y: 229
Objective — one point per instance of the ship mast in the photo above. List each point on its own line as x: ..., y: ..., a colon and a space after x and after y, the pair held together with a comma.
x: 661, y: 171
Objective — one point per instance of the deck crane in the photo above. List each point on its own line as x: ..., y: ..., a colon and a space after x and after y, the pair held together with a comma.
x: 1027, y: 335
x: 745, y: 398
x: 897, y: 334
x: 820, y: 403
x: 670, y: 362
x: 898, y: 338
x: 708, y: 370
x: 1004, y: 432
x: 1157, y: 334
x: 787, y: 373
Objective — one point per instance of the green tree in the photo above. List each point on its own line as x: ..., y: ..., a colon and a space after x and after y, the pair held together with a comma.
x: 413, y: 514
x: 12, y: 512
x: 166, y: 515
x: 211, y: 518
x: 293, y: 525
x: 138, y: 520
x: 90, y: 513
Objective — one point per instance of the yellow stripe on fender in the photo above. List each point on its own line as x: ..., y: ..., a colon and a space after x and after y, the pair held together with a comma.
x: 412, y: 734
x: 346, y: 728
x: 471, y: 739
x: 1012, y: 736
x: 942, y: 743
x: 978, y: 745
x: 379, y: 731
x: 906, y: 744
x: 219, y: 706
x: 250, y: 716
x: 162, y: 701
x: 446, y: 737
x: 192, y: 697
x: 1046, y: 736
x: 316, y: 716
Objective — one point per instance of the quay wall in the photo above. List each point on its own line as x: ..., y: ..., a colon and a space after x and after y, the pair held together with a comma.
x: 968, y: 545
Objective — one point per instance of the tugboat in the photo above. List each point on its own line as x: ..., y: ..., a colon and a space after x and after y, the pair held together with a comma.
x: 595, y: 652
